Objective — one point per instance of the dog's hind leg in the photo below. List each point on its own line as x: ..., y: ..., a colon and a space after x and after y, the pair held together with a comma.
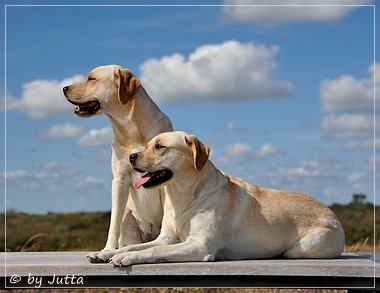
x: 318, y: 243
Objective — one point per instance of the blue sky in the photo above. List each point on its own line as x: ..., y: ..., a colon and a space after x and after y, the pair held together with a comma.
x: 283, y: 95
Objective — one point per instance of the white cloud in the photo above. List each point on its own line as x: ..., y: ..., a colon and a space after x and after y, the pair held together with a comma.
x: 91, y: 181
x: 241, y: 149
x: 311, y: 168
x: 357, y: 176
x: 362, y: 145
x: 230, y: 125
x: 347, y: 93
x: 230, y: 71
x: 16, y: 174
x: 268, y: 149
x: 309, y: 172
x: 43, y: 98
x: 297, y: 11
x: 53, y: 186
x: 296, y: 171
x: 327, y: 178
x: 348, y: 126
x: 66, y: 130
x: 51, y: 165
x: 97, y: 137
x: 355, y: 98
x: 238, y: 149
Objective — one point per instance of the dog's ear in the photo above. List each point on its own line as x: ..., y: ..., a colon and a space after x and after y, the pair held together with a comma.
x: 127, y: 83
x: 200, y: 151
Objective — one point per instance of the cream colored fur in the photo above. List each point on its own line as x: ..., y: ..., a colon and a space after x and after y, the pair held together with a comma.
x: 136, y: 215
x: 209, y: 215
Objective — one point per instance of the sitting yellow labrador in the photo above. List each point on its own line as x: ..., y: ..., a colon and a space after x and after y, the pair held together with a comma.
x: 115, y: 91
x: 209, y: 215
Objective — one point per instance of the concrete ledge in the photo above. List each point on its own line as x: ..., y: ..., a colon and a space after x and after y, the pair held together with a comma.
x: 71, y: 269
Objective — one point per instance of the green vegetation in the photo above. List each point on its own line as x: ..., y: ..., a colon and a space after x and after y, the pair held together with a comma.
x: 88, y: 231
x: 55, y: 231
x: 359, y: 223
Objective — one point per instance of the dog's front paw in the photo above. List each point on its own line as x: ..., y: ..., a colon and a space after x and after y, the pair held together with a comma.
x: 93, y: 257
x: 123, y: 259
x: 100, y: 256
x: 105, y: 255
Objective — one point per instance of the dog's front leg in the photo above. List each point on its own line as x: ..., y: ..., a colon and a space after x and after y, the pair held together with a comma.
x: 120, y: 190
x: 192, y: 249
x: 107, y: 255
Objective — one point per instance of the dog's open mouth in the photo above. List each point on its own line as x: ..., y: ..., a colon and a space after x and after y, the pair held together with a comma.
x: 153, y: 179
x: 88, y: 108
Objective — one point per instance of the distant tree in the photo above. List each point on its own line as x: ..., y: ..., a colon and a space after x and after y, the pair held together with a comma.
x: 358, y: 198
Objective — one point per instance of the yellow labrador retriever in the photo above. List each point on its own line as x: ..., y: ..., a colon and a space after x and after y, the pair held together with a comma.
x: 209, y: 215
x: 136, y: 215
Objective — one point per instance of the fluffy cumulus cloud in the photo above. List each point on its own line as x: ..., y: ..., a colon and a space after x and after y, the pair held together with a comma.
x: 352, y: 100
x: 348, y: 93
x: 295, y: 11
x: 43, y: 98
x: 97, y: 137
x: 230, y: 71
x: 66, y: 130
x: 348, y: 126
x: 355, y: 131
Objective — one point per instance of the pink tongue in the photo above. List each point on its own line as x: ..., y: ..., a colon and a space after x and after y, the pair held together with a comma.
x: 141, y: 181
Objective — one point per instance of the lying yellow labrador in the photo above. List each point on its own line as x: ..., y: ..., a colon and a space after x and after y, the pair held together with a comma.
x: 209, y: 215
x: 136, y: 215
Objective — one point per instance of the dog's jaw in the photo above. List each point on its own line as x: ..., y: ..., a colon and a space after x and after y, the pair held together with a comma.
x: 87, y: 109
x: 153, y: 179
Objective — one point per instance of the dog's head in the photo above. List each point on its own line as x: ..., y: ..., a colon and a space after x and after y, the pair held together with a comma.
x: 167, y: 156
x: 105, y: 88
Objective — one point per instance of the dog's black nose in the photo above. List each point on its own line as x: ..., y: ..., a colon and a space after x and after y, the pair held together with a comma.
x: 133, y: 158
x: 65, y: 89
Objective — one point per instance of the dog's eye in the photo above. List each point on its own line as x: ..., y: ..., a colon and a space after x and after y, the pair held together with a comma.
x: 91, y: 78
x: 158, y: 146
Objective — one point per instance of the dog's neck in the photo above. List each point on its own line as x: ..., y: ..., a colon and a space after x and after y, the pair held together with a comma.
x: 138, y: 121
x: 187, y: 191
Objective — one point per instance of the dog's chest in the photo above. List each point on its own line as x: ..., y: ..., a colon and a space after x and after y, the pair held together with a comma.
x: 179, y: 225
